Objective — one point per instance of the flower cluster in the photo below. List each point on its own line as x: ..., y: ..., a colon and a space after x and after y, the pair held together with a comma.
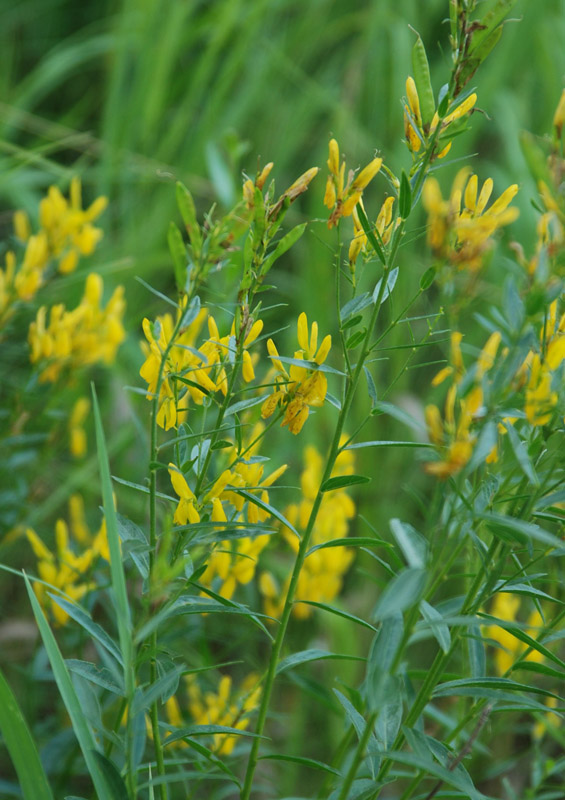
x: 542, y: 395
x: 232, y: 562
x: 226, y: 707
x: 65, y: 571
x: 66, y: 233
x: 73, y: 339
x: 418, y: 132
x: 301, y: 387
x: 384, y: 227
x: 321, y: 577
x: 196, y: 371
x: 342, y: 196
x: 452, y: 435
x: 460, y: 229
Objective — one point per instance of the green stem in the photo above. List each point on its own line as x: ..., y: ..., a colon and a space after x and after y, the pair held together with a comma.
x: 358, y: 757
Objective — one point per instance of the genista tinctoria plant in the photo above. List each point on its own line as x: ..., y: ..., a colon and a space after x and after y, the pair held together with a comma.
x: 220, y: 647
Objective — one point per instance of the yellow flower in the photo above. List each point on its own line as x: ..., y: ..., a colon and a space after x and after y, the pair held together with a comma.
x: 342, y: 197
x: 78, y: 338
x: 417, y: 133
x: 64, y: 571
x: 186, y: 511
x: 506, y: 607
x: 321, y: 577
x: 301, y: 387
x: 460, y: 229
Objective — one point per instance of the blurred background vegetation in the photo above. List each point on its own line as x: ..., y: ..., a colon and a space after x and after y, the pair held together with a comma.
x: 135, y: 95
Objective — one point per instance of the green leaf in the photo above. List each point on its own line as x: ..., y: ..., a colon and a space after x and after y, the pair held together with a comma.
x: 285, y: 244
x: 427, y: 278
x: 413, y: 545
x: 405, y: 196
x: 115, y: 782
x: 242, y: 405
x: 490, y: 21
x: 371, y: 388
x: 349, y: 541
x: 314, y: 654
x: 428, y: 764
x: 523, y: 637
x: 207, y: 730
x: 187, y: 210
x: 436, y: 622
x: 403, y: 591
x: 355, y: 339
x: 341, y: 481
x: 137, y: 545
x: 305, y: 762
x: 382, y: 654
x: 338, y: 612
x: 369, y: 232
x: 116, y: 563
x: 390, y: 284
x: 355, y: 305
x: 266, y: 507
x: 540, y: 669
x: 423, y: 82
x: 521, y: 453
x: 21, y: 747
x: 84, y: 619
x: 178, y: 253
x: 63, y: 680
x: 99, y: 675
x: 519, y: 529
x: 384, y: 443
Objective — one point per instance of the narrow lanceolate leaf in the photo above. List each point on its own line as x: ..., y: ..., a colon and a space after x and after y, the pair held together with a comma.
x: 390, y: 284
x: 413, y: 545
x: 178, y: 253
x: 116, y: 563
x: 84, y: 619
x: 116, y: 786
x: 369, y: 232
x: 305, y: 762
x: 314, y: 654
x: 338, y: 613
x: 285, y: 244
x: 187, y: 209
x: 405, y: 197
x: 524, y: 637
x: 268, y: 508
x: 519, y: 529
x: 422, y: 80
x: 386, y: 443
x: 490, y: 21
x: 99, y: 675
x: 72, y: 704
x: 340, y: 481
x: 349, y: 541
x: 403, y: 591
x: 437, y: 624
x: 21, y: 747
x: 521, y: 453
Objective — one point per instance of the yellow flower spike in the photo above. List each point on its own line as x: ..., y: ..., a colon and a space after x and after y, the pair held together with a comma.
x: 442, y: 375
x: 488, y: 354
x: 265, y: 172
x: 301, y: 184
x: 471, y: 193
x: 330, y: 196
x: 366, y: 175
x: 413, y: 100
x: 302, y: 331
x: 434, y: 424
x: 484, y: 196
x: 333, y: 159
x: 218, y: 513
x: 504, y: 200
x: 324, y: 349
x: 40, y: 550
x: 462, y: 109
